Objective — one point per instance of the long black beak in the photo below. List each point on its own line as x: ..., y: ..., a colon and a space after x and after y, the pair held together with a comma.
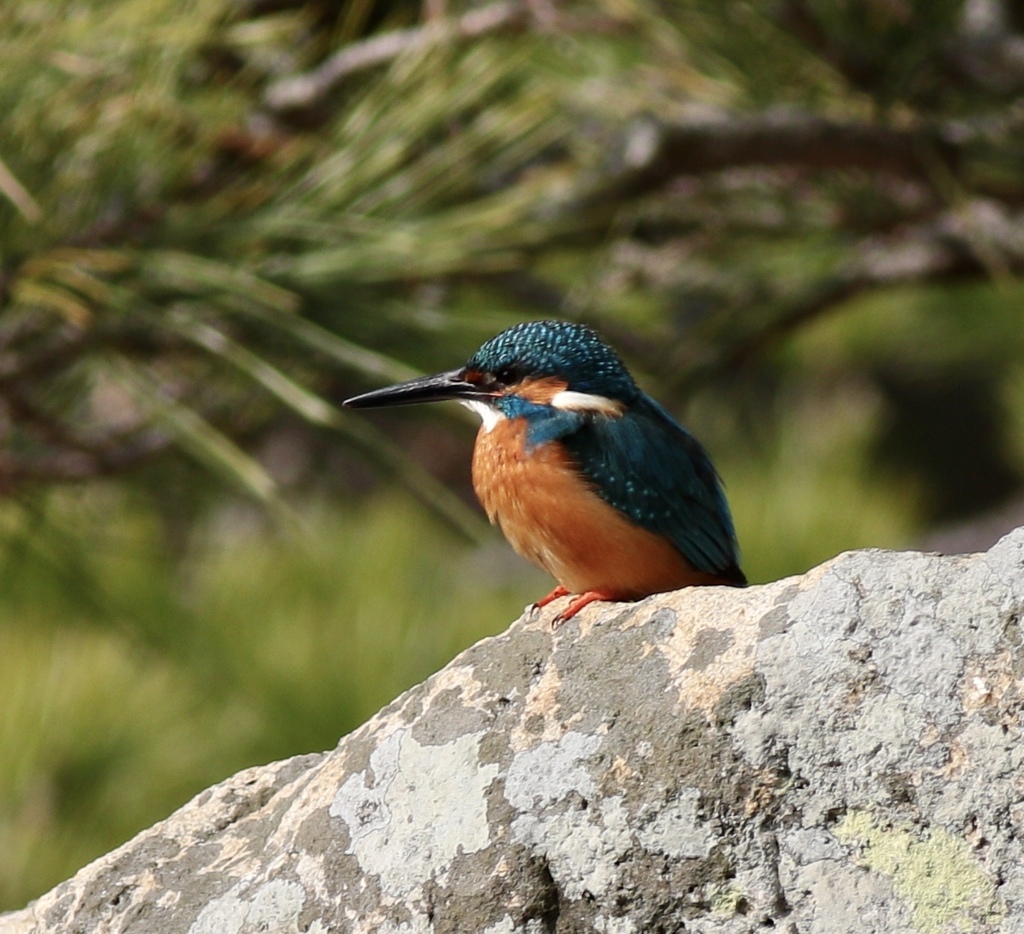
x: 450, y: 385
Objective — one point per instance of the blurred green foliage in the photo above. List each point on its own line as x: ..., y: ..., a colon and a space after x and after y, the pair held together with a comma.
x: 799, y: 221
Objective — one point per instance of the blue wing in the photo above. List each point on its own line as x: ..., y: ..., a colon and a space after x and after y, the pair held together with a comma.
x: 649, y: 467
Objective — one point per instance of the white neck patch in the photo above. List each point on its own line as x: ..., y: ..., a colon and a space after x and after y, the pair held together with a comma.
x: 489, y: 415
x: 585, y: 402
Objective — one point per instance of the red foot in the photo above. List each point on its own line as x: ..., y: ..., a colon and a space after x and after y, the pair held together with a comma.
x: 584, y: 599
x: 559, y: 591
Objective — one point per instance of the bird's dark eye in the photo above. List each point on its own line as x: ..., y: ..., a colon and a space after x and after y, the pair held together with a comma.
x: 506, y: 375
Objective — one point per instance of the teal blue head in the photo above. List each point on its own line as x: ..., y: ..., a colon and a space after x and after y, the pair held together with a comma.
x: 557, y: 364
x: 558, y: 351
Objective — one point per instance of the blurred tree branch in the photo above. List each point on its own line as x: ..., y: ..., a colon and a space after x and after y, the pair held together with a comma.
x: 654, y: 154
x: 314, y: 88
x: 978, y: 241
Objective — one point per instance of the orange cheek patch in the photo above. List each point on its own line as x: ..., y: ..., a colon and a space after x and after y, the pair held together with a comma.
x: 540, y: 391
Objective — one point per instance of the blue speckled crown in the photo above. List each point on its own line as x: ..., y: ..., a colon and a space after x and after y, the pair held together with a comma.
x: 565, y: 349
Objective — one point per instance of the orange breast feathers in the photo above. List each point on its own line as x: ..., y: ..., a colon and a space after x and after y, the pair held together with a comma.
x: 552, y: 517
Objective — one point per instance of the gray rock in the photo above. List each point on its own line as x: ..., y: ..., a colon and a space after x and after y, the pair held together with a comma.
x: 838, y: 752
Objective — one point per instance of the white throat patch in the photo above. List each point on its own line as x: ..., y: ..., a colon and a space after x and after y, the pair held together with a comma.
x: 489, y: 415
x: 585, y: 402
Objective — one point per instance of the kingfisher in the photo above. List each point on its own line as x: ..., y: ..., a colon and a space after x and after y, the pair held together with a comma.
x: 587, y: 476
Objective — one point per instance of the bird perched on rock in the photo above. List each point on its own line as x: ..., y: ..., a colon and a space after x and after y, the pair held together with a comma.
x: 587, y: 476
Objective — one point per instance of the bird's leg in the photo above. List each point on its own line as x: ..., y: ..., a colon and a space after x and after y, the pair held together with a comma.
x: 584, y: 599
x: 559, y: 591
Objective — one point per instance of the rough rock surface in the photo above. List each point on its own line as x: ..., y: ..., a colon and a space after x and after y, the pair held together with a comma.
x: 831, y: 753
